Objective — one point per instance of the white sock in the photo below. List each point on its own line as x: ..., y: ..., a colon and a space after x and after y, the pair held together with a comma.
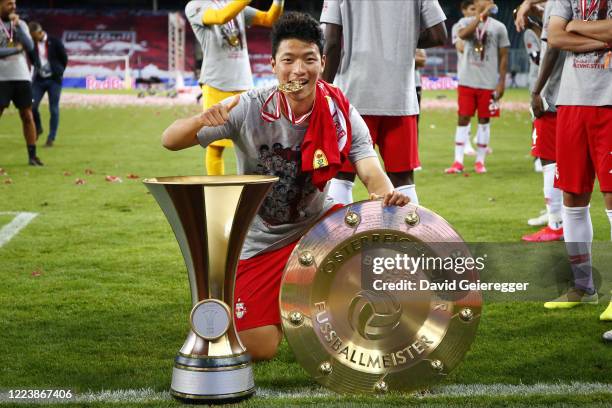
x: 462, y: 134
x: 482, y: 137
x: 468, y: 143
x: 341, y: 191
x: 609, y: 212
x: 553, y: 196
x: 578, y: 233
x: 410, y: 191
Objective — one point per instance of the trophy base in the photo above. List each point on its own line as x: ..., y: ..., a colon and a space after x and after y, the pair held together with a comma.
x: 212, y: 380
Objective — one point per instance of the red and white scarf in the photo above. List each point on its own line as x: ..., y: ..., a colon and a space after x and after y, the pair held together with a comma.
x: 327, y: 141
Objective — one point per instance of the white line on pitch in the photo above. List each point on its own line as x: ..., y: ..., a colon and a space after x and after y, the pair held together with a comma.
x: 456, y: 390
x: 17, y: 224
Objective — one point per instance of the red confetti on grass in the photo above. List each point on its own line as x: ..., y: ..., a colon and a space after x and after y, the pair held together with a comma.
x: 133, y: 176
x: 8, y: 181
x: 466, y: 174
x: 89, y: 172
x: 37, y: 272
x: 67, y: 173
x: 113, y: 179
x: 79, y: 181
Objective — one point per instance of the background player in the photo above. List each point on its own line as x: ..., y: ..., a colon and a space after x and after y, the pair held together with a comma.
x: 584, y: 124
x: 543, y: 104
x: 372, y: 61
x: 468, y: 9
x: 219, y: 26
x: 482, y: 79
x: 15, y: 80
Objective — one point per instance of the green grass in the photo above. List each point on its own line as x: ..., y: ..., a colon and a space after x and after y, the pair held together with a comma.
x: 109, y: 309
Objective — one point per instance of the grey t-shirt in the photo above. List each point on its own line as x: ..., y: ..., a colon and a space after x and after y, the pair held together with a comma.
x: 225, y: 58
x: 550, y: 92
x: 481, y: 70
x: 294, y: 203
x: 585, y: 80
x: 14, y: 67
x: 532, y: 45
x: 379, y: 40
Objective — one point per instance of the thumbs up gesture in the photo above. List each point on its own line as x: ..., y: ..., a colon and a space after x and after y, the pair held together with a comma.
x: 218, y: 115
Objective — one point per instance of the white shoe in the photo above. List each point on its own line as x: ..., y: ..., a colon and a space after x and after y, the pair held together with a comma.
x: 539, y: 221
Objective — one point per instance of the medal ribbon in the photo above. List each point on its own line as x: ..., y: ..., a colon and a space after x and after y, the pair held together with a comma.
x: 281, y: 101
x: 480, y: 32
x: 587, y: 8
x: 8, y: 35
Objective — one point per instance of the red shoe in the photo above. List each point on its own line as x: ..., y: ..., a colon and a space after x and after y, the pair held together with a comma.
x: 479, y: 168
x: 456, y: 168
x: 546, y: 234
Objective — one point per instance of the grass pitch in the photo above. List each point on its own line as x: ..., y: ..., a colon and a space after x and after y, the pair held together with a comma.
x: 95, y: 295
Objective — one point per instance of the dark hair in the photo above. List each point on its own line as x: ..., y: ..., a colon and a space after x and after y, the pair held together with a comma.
x: 34, y: 27
x: 299, y: 26
x: 466, y: 3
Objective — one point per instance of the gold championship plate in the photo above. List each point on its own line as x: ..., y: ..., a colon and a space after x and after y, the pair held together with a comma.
x: 210, y: 216
x: 357, y: 329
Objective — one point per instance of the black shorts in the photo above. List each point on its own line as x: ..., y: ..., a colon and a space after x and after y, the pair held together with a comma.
x: 20, y: 92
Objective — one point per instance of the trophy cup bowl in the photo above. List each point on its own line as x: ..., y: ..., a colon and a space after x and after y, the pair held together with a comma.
x: 210, y: 216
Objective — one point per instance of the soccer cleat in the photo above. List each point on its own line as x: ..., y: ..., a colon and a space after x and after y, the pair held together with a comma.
x: 456, y: 168
x: 546, y: 234
x: 572, y: 298
x: 539, y: 221
x: 607, y: 314
x: 35, y: 161
x: 479, y: 168
x: 607, y: 336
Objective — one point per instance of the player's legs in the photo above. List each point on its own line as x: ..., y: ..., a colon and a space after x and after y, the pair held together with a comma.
x: 22, y: 99
x: 575, y: 176
x: 398, y: 145
x: 257, y: 315
x: 29, y: 133
x: 483, y: 134
x: 466, y: 98
x: 54, y: 91
x: 341, y: 186
x: 544, y: 139
x: 603, y: 140
x: 214, y: 152
x: 607, y: 314
x: 38, y: 91
x: 214, y: 160
x: 262, y: 342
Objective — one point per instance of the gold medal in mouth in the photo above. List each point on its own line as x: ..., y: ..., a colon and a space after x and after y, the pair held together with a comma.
x: 290, y: 87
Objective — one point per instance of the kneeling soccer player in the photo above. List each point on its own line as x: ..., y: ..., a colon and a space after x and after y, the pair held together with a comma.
x: 303, y: 137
